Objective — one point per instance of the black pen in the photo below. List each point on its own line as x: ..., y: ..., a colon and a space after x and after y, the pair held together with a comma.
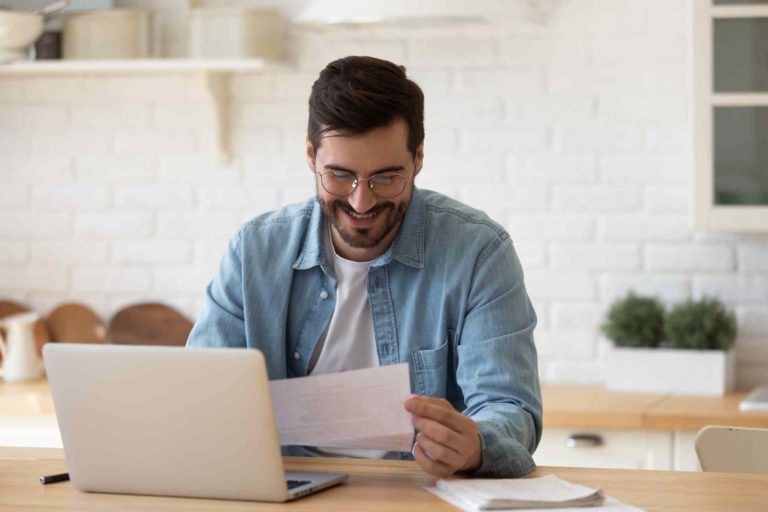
x: 52, y: 479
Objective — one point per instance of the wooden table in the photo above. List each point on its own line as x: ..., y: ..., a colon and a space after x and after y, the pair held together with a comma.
x: 381, y: 486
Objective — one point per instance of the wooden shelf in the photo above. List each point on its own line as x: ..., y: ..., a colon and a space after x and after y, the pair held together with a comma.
x: 217, y: 73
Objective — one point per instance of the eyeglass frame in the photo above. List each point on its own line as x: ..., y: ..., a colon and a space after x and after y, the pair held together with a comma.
x: 357, y: 181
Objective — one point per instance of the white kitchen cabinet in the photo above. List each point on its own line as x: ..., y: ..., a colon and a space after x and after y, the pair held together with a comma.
x: 684, y: 458
x: 627, y: 449
x: 730, y: 49
x: 30, y: 431
x: 621, y: 449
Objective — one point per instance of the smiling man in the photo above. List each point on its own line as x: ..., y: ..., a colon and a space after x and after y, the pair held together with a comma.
x: 374, y: 271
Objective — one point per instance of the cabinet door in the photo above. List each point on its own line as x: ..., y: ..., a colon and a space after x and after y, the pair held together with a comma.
x: 739, y: 50
x: 741, y: 155
x: 685, y: 458
x: 30, y: 431
x: 626, y: 449
x: 730, y: 57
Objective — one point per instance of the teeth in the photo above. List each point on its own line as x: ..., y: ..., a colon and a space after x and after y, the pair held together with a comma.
x: 361, y: 217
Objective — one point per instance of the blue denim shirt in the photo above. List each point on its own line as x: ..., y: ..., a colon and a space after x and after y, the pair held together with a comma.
x: 447, y: 297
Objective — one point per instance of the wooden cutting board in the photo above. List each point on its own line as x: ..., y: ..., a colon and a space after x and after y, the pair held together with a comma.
x: 42, y: 336
x: 75, y: 323
x: 149, y: 324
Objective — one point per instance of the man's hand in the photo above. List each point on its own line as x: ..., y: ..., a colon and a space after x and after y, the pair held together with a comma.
x: 447, y: 440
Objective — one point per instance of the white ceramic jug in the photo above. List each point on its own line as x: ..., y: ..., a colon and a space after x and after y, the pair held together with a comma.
x: 20, y: 360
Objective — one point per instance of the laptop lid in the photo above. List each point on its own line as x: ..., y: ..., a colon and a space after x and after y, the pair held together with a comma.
x: 167, y: 421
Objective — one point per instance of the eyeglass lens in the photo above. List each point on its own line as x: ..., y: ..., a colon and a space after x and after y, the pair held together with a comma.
x: 344, y: 183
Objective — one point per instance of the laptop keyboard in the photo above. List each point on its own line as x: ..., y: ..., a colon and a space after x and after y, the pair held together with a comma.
x: 292, y: 484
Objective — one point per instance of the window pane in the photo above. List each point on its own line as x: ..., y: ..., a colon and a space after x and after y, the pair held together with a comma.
x: 740, y: 51
x: 741, y: 155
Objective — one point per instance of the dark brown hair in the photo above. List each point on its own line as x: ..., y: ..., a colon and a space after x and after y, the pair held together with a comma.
x: 354, y: 95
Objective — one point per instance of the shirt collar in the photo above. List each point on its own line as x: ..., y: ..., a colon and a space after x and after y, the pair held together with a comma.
x: 408, y: 247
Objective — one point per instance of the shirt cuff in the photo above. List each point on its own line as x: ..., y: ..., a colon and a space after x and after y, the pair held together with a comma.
x: 502, y: 456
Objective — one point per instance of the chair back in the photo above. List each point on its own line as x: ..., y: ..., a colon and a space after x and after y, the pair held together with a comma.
x: 732, y: 449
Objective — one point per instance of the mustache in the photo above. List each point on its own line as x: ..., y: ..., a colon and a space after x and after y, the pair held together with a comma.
x: 342, y: 205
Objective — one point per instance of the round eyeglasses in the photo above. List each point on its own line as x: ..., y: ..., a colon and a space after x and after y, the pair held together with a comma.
x: 343, y: 183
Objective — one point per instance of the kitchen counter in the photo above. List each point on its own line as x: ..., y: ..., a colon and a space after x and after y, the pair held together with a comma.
x: 627, y: 430
x: 564, y: 406
x: 25, y: 399
x: 596, y: 407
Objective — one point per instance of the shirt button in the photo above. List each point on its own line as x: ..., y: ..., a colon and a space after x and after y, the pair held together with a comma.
x: 296, y: 356
x: 323, y: 294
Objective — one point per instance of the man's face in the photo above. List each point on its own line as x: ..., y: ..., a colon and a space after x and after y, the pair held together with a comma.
x: 364, y: 224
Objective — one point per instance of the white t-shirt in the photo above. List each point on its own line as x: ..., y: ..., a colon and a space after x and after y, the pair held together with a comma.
x: 349, y: 343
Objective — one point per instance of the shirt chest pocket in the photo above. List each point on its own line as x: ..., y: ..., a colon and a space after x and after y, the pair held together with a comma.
x: 429, y: 369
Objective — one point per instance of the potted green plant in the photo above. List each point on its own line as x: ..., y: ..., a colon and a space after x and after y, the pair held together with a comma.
x: 635, y: 321
x: 686, y: 350
x: 700, y: 325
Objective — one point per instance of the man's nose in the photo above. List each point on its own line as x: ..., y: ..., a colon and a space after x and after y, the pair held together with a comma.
x: 362, y: 198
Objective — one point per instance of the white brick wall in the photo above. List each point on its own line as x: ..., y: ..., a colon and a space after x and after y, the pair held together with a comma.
x: 151, y: 252
x: 68, y: 252
x: 669, y: 287
x: 683, y: 257
x: 76, y: 196
x: 112, y: 225
x: 574, y: 135
x: 594, y: 256
x: 13, y: 252
x: 110, y: 280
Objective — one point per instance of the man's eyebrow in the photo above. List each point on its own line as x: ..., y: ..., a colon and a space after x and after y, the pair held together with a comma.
x: 391, y: 168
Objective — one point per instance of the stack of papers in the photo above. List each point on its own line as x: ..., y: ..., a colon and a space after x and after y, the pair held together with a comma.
x: 549, y: 492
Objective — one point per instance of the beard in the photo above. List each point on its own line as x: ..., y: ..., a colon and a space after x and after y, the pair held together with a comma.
x: 364, y: 238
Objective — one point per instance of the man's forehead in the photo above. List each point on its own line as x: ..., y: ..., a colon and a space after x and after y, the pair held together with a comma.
x: 375, y: 146
x: 398, y: 127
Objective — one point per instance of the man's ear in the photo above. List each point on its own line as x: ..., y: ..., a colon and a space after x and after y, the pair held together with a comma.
x: 310, y: 151
x: 419, y: 161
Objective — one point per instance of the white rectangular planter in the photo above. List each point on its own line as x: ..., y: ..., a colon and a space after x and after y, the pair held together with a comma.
x: 675, y: 371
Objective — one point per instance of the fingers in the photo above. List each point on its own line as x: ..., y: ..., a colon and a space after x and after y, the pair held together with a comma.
x: 430, y: 466
x: 440, y: 411
x: 440, y: 453
x: 434, y: 400
x: 448, y: 440
x: 437, y: 431
x: 439, y: 402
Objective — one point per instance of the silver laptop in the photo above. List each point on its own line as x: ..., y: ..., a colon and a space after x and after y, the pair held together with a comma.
x: 171, y: 421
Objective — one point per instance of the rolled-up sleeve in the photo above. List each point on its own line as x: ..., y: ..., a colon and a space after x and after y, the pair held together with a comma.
x: 497, y: 364
x: 221, y: 321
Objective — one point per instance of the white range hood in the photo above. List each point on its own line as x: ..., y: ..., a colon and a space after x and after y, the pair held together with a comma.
x: 407, y: 12
x: 421, y: 11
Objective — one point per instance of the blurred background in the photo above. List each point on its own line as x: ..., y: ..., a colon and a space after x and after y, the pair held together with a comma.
x: 569, y: 122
